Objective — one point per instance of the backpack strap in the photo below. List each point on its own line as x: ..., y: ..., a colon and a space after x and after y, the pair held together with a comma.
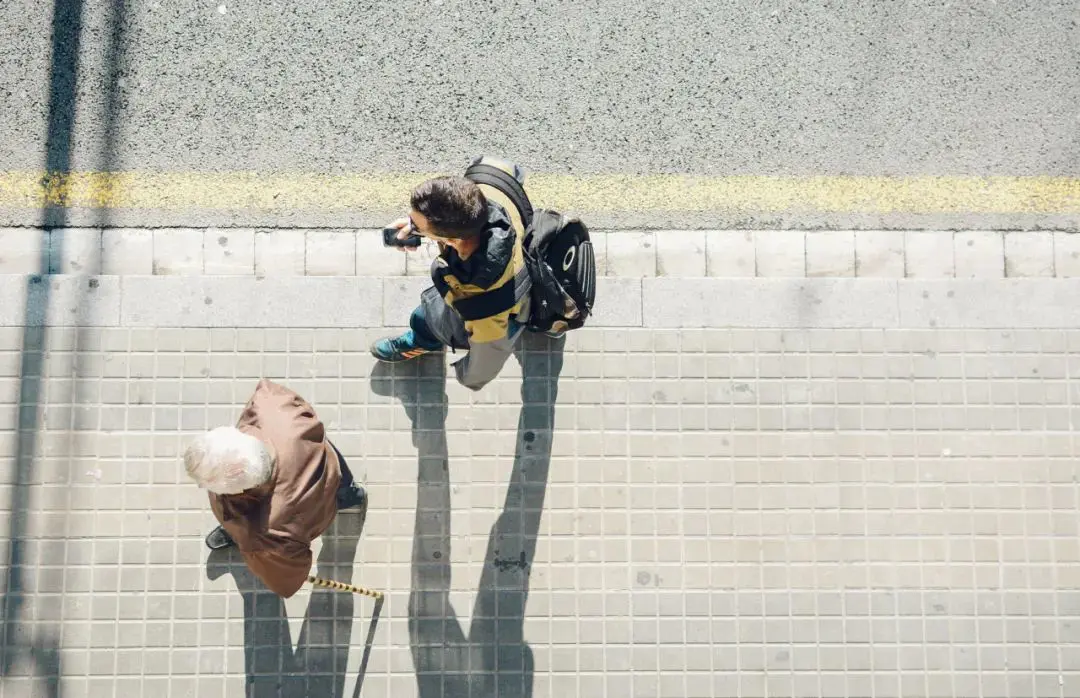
x: 508, y: 295
x: 504, y: 182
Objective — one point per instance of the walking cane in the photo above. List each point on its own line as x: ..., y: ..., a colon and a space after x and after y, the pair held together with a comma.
x: 378, y: 596
x: 341, y: 586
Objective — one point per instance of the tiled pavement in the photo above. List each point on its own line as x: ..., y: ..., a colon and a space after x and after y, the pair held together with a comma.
x: 765, y: 501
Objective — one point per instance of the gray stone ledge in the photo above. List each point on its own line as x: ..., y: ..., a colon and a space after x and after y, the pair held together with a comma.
x: 981, y: 303
x: 240, y: 301
x: 826, y: 303
x: 60, y: 301
x: 359, y: 302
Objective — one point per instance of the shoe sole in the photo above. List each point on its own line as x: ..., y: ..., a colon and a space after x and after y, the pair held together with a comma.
x: 405, y: 356
x: 392, y: 361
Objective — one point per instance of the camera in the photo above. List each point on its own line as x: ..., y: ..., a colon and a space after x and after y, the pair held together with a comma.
x: 390, y: 238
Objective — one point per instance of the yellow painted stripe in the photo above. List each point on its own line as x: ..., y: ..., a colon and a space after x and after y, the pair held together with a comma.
x: 608, y: 192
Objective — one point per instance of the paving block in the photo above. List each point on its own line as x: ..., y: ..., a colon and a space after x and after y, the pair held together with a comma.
x: 810, y: 303
x: 987, y: 303
x: 780, y: 252
x: 618, y: 303
x: 75, y: 251
x: 400, y: 298
x: 373, y: 258
x: 928, y: 254
x: 127, y: 251
x: 681, y: 253
x: 1066, y: 254
x: 1029, y: 254
x: 979, y: 254
x: 229, y: 251
x: 830, y: 253
x: 21, y: 250
x: 631, y: 254
x: 211, y: 301
x: 178, y: 251
x: 730, y: 253
x: 59, y: 301
x: 879, y: 253
x: 279, y: 252
x: 330, y: 253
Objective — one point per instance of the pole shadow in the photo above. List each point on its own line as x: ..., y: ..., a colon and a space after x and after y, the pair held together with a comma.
x: 317, y: 667
x: 493, y: 659
x: 38, y: 648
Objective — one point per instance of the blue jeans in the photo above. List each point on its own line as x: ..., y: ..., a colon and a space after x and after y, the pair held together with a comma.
x: 422, y: 335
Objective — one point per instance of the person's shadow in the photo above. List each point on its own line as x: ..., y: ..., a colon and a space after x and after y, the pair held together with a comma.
x: 317, y: 666
x: 493, y: 659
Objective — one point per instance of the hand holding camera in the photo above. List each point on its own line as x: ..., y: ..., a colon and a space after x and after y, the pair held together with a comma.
x: 400, y: 234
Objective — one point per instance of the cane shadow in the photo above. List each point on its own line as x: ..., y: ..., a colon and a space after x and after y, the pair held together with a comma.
x: 493, y: 659
x: 317, y: 667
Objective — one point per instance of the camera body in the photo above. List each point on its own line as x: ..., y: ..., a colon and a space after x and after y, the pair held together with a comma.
x: 390, y: 238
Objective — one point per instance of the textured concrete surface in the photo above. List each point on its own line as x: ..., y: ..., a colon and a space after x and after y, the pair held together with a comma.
x: 732, y: 88
x: 694, y: 513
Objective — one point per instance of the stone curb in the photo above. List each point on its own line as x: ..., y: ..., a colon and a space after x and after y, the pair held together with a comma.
x: 623, y: 254
x: 373, y: 302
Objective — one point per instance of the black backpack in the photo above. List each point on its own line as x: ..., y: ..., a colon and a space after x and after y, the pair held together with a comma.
x: 559, y: 261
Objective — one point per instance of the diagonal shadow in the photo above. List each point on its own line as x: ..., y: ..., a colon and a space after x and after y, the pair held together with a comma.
x: 317, y: 667
x: 493, y: 659
x: 21, y: 643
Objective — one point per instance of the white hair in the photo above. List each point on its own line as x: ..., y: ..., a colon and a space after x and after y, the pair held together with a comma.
x: 227, y: 461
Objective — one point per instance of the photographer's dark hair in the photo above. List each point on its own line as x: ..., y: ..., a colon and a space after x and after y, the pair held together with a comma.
x: 453, y: 205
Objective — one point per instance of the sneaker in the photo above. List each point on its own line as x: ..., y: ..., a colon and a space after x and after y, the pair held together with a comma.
x: 219, y: 539
x: 401, y: 348
x: 350, y: 496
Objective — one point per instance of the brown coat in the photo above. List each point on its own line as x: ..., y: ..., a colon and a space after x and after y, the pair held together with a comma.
x: 273, y: 525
